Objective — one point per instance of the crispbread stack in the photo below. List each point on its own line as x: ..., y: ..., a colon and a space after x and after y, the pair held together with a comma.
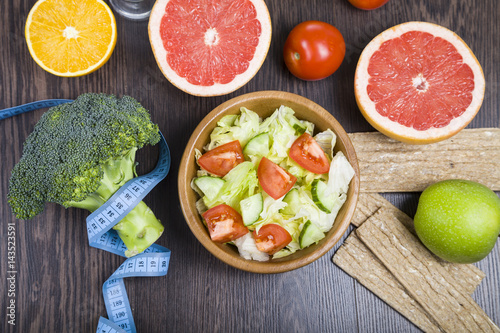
x: 385, y: 255
x: 373, y: 204
x: 388, y: 259
x: 387, y: 165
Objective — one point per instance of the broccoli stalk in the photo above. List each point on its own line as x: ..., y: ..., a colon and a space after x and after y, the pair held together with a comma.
x: 139, y: 228
x: 79, y: 154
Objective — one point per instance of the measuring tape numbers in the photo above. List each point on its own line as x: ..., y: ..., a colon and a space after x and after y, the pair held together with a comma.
x: 151, y: 262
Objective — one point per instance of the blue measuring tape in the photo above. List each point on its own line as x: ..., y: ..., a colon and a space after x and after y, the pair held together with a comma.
x: 10, y: 112
x: 151, y: 262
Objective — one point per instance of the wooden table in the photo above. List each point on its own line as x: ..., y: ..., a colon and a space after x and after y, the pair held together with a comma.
x: 59, y: 277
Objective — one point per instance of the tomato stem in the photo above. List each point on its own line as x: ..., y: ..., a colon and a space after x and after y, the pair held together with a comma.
x: 296, y: 55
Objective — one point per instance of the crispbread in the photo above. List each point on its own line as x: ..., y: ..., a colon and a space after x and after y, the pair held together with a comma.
x: 369, y: 203
x: 387, y: 165
x: 444, y: 300
x: 360, y: 263
x: 467, y: 275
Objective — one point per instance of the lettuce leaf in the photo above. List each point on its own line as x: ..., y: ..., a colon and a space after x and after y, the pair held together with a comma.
x: 270, y: 212
x: 303, y: 176
x: 339, y: 177
x: 293, y: 226
x: 241, y: 182
x: 282, y: 133
x: 248, y: 249
x: 326, y: 141
x: 242, y: 127
x: 340, y: 174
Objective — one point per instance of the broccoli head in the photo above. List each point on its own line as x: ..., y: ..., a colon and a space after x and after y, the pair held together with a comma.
x: 79, y: 154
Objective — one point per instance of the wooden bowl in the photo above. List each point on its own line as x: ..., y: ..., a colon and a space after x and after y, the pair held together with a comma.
x: 265, y: 103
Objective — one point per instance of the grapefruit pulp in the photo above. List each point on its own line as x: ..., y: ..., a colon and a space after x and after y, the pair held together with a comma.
x: 209, y: 47
x: 418, y: 83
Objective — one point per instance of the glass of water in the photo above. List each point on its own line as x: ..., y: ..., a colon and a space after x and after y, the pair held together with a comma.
x: 133, y: 9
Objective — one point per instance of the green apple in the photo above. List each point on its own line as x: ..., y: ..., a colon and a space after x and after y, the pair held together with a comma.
x: 458, y: 220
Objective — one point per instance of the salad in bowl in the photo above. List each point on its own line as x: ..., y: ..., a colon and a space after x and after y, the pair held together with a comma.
x: 268, y: 186
x: 244, y: 193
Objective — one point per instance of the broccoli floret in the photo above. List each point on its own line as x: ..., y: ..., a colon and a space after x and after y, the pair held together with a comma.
x: 79, y: 154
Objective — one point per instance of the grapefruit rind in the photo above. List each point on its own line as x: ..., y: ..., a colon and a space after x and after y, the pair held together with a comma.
x: 82, y: 72
x: 216, y: 89
x: 400, y: 132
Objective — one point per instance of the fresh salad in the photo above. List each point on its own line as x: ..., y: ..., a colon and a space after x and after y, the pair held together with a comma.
x: 268, y: 186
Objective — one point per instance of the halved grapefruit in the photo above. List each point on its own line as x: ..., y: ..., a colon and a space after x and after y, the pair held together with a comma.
x: 418, y: 83
x: 210, y: 47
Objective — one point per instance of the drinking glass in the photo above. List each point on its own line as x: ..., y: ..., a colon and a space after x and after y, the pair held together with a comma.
x: 133, y: 9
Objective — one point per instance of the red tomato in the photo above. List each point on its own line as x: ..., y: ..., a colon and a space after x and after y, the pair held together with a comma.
x: 309, y: 155
x: 224, y: 223
x: 368, y: 4
x: 314, y: 50
x: 220, y: 160
x: 271, y: 238
x: 274, y: 180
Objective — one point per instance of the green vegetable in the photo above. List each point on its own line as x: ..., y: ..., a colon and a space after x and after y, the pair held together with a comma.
x: 270, y: 212
x: 303, y: 176
x: 326, y: 140
x: 251, y: 208
x: 209, y: 186
x: 310, y: 234
x: 79, y: 154
x: 280, y: 126
x: 241, y: 182
x: 323, y: 200
x: 299, y: 125
x: 293, y: 202
x: 257, y: 147
x: 231, y: 127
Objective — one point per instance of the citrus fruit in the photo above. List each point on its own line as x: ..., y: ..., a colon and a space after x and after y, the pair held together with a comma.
x: 418, y: 83
x: 70, y: 38
x: 209, y: 47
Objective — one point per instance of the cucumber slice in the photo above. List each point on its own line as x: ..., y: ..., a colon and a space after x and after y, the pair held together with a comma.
x: 210, y: 186
x: 297, y: 126
x: 310, y: 234
x: 258, y: 145
x: 251, y: 208
x: 292, y: 199
x: 324, y: 202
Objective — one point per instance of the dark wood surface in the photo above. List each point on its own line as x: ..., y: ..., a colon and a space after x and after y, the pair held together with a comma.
x: 59, y: 277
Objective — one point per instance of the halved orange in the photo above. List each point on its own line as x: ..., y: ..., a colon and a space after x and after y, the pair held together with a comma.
x: 418, y: 83
x: 70, y: 38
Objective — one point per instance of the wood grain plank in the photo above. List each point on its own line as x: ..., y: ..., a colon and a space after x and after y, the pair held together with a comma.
x: 60, y: 277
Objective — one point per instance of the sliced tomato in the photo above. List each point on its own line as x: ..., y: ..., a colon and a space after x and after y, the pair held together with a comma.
x: 220, y: 160
x: 224, y: 223
x: 271, y: 238
x: 274, y: 180
x: 309, y: 155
